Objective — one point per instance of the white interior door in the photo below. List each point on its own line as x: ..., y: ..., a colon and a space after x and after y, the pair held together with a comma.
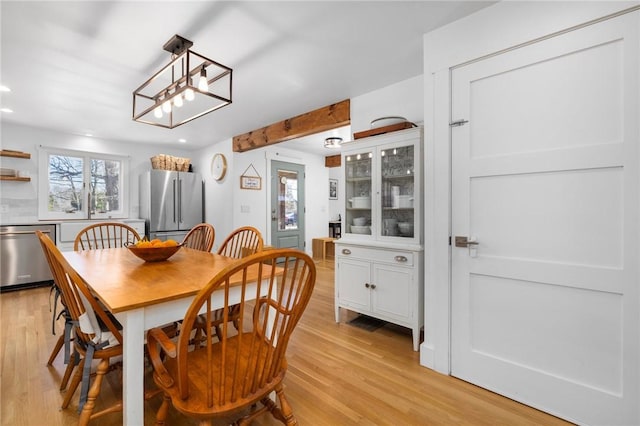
x: 545, y: 179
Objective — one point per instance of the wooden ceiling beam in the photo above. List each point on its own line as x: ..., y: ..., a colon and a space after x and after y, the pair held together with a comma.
x: 333, y: 160
x: 319, y: 120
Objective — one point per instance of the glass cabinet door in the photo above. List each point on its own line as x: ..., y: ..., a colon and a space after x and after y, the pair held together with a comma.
x: 397, y: 217
x: 358, y: 171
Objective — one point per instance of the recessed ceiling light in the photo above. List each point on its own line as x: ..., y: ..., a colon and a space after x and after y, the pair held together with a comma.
x: 6, y: 110
x: 4, y: 88
x: 89, y: 135
x: 182, y: 140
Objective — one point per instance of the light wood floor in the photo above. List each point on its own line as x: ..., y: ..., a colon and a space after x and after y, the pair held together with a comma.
x: 338, y: 374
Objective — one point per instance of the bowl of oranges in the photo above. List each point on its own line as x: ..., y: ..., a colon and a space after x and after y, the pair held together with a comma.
x: 154, y: 250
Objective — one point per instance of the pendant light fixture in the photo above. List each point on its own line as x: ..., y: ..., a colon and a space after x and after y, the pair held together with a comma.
x: 189, y: 87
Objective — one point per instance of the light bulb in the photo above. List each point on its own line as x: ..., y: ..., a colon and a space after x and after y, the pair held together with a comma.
x: 177, y: 101
x: 166, y: 106
x: 203, y: 85
x: 157, y: 112
x: 189, y: 94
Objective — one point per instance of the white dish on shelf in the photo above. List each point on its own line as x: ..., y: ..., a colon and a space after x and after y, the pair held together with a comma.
x: 406, y: 228
x: 405, y: 201
x: 360, y: 202
x: 386, y: 121
x: 360, y: 229
x: 359, y: 221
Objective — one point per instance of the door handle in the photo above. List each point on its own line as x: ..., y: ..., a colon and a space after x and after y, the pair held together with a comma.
x: 465, y: 242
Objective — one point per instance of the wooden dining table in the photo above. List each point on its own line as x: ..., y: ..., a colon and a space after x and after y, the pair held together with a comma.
x: 143, y: 295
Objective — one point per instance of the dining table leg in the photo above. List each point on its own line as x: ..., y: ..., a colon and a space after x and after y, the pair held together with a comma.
x: 133, y: 366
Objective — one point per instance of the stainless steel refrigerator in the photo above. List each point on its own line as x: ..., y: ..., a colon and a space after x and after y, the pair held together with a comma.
x: 171, y: 203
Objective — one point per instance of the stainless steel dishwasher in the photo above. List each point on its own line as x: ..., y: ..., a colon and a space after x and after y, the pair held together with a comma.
x: 22, y: 262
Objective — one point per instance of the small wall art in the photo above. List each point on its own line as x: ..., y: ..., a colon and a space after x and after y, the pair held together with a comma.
x: 333, y: 189
x: 248, y: 181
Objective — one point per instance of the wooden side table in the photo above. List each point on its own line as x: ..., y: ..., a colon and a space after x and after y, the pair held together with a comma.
x: 323, y: 248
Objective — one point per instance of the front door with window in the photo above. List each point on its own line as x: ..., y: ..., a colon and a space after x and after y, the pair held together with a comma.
x: 287, y: 205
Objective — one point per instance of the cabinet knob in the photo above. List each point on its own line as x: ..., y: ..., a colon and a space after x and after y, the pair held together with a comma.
x: 367, y: 285
x: 373, y: 286
x: 346, y: 251
x: 401, y: 258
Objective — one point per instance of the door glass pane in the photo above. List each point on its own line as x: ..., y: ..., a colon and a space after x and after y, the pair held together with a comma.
x: 358, y: 193
x: 287, y: 200
x: 397, y: 217
x: 65, y: 184
x: 105, y: 185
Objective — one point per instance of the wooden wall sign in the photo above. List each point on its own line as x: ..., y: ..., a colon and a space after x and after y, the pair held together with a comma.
x: 250, y: 181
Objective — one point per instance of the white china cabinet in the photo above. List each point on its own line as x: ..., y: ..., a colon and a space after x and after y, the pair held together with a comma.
x: 379, y: 259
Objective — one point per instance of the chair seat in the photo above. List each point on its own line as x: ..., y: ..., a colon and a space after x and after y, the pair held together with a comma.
x: 196, y: 405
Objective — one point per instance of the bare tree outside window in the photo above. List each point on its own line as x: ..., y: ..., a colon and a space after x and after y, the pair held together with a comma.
x: 65, y: 183
x: 81, y: 185
x: 105, y: 176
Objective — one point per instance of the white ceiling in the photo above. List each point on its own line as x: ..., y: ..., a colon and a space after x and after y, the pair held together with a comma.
x: 72, y: 66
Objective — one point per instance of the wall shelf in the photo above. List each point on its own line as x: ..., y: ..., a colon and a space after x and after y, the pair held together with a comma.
x: 14, y: 154
x: 16, y: 178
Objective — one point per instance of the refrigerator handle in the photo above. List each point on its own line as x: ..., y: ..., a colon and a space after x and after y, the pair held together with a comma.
x: 179, y: 201
x: 174, y: 201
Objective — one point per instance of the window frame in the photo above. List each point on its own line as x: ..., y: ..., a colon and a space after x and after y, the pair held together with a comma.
x: 43, y: 184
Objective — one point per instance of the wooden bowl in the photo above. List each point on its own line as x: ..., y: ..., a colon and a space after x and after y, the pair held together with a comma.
x: 154, y: 254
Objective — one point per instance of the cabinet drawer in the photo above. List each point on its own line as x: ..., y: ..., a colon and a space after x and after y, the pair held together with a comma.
x: 396, y: 257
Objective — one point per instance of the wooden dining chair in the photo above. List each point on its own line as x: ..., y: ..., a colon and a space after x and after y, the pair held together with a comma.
x: 105, y: 235
x: 65, y: 339
x: 96, y: 236
x: 237, y: 370
x: 96, y: 333
x: 242, y: 242
x: 200, y: 237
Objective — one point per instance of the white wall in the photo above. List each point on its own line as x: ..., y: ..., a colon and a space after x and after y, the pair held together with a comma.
x: 21, y: 198
x: 257, y: 203
x: 336, y: 206
x: 403, y: 99
x: 218, y: 195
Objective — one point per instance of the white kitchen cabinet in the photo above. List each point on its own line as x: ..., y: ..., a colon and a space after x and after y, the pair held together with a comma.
x: 380, y: 282
x: 67, y: 231
x: 379, y: 259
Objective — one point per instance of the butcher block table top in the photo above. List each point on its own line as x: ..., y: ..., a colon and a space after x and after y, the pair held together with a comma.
x: 122, y: 281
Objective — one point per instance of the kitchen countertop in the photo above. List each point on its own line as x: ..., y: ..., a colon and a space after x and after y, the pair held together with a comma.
x: 35, y: 221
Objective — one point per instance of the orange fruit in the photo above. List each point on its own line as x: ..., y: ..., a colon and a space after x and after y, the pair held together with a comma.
x: 170, y: 243
x: 143, y: 244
